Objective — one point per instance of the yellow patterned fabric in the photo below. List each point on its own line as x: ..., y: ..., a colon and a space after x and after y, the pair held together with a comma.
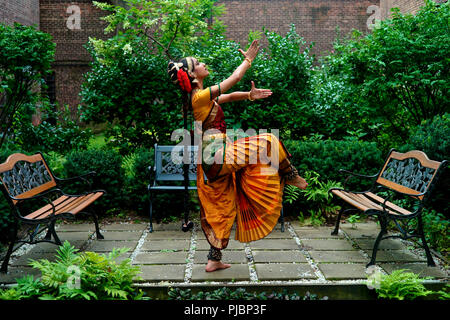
x: 246, y: 189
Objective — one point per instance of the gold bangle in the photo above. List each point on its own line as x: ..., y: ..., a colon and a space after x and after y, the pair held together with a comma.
x: 250, y: 96
x: 249, y: 61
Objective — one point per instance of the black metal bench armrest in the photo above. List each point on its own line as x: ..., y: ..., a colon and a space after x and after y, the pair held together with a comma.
x: 350, y: 174
x: 357, y: 174
x: 39, y: 196
x: 80, y: 177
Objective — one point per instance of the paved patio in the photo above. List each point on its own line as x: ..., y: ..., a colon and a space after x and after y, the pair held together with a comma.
x: 299, y: 255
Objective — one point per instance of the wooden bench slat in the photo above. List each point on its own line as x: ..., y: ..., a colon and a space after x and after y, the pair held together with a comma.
x: 364, y: 203
x: 87, y: 201
x: 47, y: 209
x: 65, y: 204
x: 346, y: 198
x: 388, y: 204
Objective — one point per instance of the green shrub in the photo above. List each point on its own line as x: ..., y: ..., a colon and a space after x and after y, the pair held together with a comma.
x: 326, y: 157
x: 433, y: 137
x: 436, y: 229
x: 401, y: 285
x: 138, y: 177
x: 393, y: 77
x: 284, y: 67
x: 78, y: 276
x: 57, y: 132
x: 26, y: 56
x: 110, y: 175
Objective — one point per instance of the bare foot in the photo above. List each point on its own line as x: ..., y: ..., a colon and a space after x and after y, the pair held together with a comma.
x: 299, y: 182
x: 216, y: 265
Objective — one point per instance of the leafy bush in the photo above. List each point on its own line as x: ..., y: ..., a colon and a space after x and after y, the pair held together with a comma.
x: 25, y: 59
x: 138, y: 178
x: 78, y: 276
x: 436, y: 229
x: 433, y: 137
x: 315, y: 199
x: 237, y: 294
x: 398, y: 74
x: 57, y: 132
x: 326, y: 157
x: 110, y: 175
x: 284, y: 67
x: 401, y: 285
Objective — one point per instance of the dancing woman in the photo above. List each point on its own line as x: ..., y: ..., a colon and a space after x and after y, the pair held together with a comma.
x: 246, y: 177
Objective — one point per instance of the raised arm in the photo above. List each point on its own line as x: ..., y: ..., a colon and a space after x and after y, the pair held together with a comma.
x: 253, y: 94
x: 239, y: 73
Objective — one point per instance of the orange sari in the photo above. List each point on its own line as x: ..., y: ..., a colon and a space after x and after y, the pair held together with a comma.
x: 241, y: 184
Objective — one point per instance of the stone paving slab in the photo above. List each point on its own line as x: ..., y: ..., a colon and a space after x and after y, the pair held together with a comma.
x: 75, y: 227
x: 158, y: 245
x: 73, y: 236
x: 320, y: 244
x: 172, y: 226
x: 157, y: 273
x: 25, y: 259
x: 232, y: 245
x: 124, y: 227
x: 168, y: 235
x: 238, y: 272
x: 316, y: 233
x: 284, y: 271
x: 421, y: 269
x: 278, y: 256
x: 51, y: 247
x: 391, y: 244
x: 277, y: 234
x: 122, y: 235
x: 200, y: 257
x: 395, y: 256
x: 362, y: 230
x: 274, y: 244
x: 107, y: 246
x: 338, y: 256
x: 343, y: 271
x: 161, y: 258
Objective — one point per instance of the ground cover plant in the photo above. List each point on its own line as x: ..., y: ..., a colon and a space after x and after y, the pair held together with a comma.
x: 78, y: 276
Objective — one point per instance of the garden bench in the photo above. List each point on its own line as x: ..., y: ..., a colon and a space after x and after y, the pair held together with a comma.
x: 25, y: 180
x: 169, y: 168
x: 166, y: 170
x: 404, y: 175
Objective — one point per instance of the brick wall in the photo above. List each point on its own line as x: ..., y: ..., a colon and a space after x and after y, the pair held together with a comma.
x: 71, y: 30
x: 315, y: 20
x: 22, y: 11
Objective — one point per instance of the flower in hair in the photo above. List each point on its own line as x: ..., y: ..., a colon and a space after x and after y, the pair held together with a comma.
x: 184, y: 81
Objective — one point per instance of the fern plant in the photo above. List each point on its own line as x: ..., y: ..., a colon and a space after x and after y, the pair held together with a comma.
x: 402, y: 285
x: 317, y: 193
x: 79, y: 276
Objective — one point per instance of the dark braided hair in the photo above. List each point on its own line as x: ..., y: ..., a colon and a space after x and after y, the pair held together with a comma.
x: 180, y: 74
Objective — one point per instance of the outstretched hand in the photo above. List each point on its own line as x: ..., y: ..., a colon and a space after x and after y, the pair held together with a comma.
x: 256, y: 93
x: 252, y: 51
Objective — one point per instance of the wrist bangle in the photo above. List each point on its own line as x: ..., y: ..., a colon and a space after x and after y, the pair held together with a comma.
x: 250, y: 96
x: 249, y: 61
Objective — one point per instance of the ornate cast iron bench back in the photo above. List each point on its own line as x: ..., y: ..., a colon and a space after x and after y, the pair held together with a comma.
x: 25, y: 179
x: 411, y: 174
x: 169, y: 168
